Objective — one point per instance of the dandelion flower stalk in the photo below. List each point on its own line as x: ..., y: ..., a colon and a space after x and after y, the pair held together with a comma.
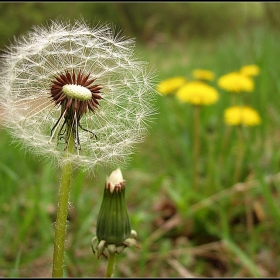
x: 239, y: 155
x: 198, y: 94
x: 196, y: 143
x: 224, y: 144
x: 237, y: 173
x: 62, y: 211
x: 110, y: 265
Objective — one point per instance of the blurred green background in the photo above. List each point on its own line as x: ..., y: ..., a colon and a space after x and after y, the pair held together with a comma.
x: 151, y: 23
x: 219, y: 231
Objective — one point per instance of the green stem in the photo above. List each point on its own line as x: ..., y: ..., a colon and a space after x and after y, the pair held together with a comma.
x: 196, y: 146
x: 233, y: 99
x: 240, y: 154
x: 224, y: 145
x: 110, y: 265
x: 62, y: 211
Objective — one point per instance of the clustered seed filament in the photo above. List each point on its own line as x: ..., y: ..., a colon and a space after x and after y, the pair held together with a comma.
x: 76, y: 94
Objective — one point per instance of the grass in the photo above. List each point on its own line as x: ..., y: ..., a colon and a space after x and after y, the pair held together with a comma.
x: 227, y: 228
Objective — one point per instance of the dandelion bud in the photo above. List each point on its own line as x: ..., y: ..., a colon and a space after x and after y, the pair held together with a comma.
x: 113, y: 229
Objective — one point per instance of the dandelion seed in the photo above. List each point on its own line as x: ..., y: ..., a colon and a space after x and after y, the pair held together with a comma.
x: 81, y: 78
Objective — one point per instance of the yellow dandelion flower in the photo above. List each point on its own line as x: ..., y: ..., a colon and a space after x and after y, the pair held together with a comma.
x: 237, y: 115
x: 236, y: 82
x: 250, y: 70
x: 201, y: 74
x: 170, y: 85
x: 197, y: 93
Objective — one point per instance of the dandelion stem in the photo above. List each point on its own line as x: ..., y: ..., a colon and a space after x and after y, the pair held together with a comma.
x: 239, y: 156
x: 196, y: 146
x: 233, y: 99
x: 110, y: 265
x: 62, y: 210
x: 224, y: 145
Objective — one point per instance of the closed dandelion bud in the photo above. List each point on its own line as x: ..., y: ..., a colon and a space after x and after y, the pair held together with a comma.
x: 113, y: 230
x: 113, y: 224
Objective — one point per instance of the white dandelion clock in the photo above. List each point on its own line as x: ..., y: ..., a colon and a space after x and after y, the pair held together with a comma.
x: 73, y: 79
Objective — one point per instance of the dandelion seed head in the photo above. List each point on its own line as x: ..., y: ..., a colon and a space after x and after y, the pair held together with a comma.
x: 66, y: 72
